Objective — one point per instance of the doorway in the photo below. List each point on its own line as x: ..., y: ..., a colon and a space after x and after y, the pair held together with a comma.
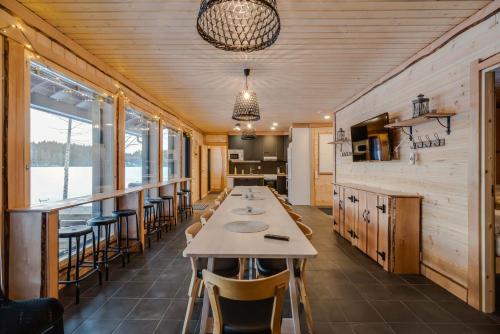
x: 484, y: 187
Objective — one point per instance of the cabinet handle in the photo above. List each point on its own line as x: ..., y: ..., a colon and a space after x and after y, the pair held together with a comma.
x: 382, y: 255
x: 335, y: 193
x: 381, y: 208
x: 334, y: 222
x: 351, y: 233
x: 340, y: 205
x: 367, y: 216
x: 350, y: 198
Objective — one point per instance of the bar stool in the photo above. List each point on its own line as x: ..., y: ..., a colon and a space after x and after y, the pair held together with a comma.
x: 122, y: 216
x: 159, y: 208
x: 189, y: 204
x: 106, y: 222
x: 169, y: 210
x: 77, y: 232
x: 150, y: 222
x: 182, y: 196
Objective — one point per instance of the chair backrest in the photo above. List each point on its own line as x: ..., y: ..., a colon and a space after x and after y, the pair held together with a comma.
x: 308, y: 232
x: 205, y: 217
x: 287, y: 207
x: 192, y: 231
x: 295, y: 216
x: 247, y: 291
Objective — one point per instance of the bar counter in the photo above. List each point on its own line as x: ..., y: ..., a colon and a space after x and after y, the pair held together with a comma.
x: 32, y: 241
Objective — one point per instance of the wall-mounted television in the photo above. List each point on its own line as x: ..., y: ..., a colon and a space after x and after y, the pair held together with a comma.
x: 371, y: 141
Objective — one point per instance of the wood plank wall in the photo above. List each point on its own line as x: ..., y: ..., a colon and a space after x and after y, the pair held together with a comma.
x: 440, y: 174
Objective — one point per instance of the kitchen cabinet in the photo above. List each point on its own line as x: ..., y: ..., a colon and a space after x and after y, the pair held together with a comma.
x: 384, y: 225
x: 270, y: 146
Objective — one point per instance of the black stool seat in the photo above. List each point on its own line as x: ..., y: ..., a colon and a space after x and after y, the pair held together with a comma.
x: 148, y: 206
x: 154, y: 200
x: 186, y: 190
x: 181, y: 193
x: 74, y: 231
x: 165, y: 197
x: 101, y: 221
x: 124, y: 212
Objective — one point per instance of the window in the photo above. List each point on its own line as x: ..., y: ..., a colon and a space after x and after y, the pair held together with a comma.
x: 72, y: 138
x: 141, y: 148
x: 186, y: 156
x: 72, y: 145
x: 171, y: 154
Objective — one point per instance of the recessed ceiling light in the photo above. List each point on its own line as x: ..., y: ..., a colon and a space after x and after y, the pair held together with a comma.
x: 327, y: 117
x: 275, y: 124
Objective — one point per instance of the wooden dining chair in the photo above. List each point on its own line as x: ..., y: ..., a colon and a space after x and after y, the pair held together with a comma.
x: 246, y: 306
x: 223, y: 267
x: 205, y: 217
x: 268, y: 267
x: 215, y: 207
x: 295, y: 216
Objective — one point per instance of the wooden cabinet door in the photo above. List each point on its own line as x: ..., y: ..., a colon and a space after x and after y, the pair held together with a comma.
x: 360, y: 223
x: 341, y: 220
x: 383, y: 232
x: 336, y: 209
x: 351, y: 213
x: 371, y: 218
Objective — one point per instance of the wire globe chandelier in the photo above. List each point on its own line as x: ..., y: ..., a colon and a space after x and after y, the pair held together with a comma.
x: 246, y: 106
x: 239, y: 25
x: 248, y: 134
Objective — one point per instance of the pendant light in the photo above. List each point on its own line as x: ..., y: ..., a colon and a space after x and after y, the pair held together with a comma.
x: 246, y: 107
x: 239, y: 25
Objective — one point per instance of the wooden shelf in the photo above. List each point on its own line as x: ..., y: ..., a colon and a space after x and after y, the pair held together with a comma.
x: 410, y: 123
x: 418, y: 120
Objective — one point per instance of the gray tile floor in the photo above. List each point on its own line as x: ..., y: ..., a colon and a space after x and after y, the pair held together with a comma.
x: 349, y: 293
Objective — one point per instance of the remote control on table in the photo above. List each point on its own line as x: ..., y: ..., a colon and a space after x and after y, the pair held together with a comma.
x: 277, y: 237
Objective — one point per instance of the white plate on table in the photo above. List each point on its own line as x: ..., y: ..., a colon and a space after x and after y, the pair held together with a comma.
x: 245, y: 211
x: 246, y: 226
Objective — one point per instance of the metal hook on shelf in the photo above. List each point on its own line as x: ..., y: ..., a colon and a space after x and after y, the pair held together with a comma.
x: 429, y: 141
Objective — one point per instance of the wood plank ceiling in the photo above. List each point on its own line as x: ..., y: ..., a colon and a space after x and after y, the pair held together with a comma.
x: 328, y: 51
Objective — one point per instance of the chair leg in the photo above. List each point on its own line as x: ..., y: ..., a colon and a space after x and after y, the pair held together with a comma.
x: 201, y: 289
x: 193, y: 287
x: 307, y: 306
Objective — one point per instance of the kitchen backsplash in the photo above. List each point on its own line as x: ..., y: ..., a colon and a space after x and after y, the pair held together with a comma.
x: 267, y: 167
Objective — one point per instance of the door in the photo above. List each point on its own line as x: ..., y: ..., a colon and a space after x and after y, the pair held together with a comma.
x: 383, y: 232
x: 351, y: 214
x: 361, y: 222
x: 371, y: 218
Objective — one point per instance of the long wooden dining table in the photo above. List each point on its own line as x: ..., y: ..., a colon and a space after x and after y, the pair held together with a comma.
x: 215, y: 240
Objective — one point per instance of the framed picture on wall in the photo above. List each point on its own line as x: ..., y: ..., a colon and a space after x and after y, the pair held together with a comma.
x: 325, y: 154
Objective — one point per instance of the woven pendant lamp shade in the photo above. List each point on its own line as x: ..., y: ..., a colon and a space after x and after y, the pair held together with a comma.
x: 248, y: 134
x: 239, y: 25
x: 246, y: 106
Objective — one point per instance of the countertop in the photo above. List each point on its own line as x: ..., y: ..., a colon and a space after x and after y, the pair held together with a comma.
x: 246, y: 176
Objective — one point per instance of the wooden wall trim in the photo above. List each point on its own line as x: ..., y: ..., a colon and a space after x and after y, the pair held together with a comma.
x: 478, y: 17
x: 445, y: 282
x: 17, y: 127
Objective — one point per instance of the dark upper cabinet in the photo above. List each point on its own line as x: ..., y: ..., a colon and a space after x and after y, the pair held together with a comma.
x: 270, y: 146
x: 235, y: 143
